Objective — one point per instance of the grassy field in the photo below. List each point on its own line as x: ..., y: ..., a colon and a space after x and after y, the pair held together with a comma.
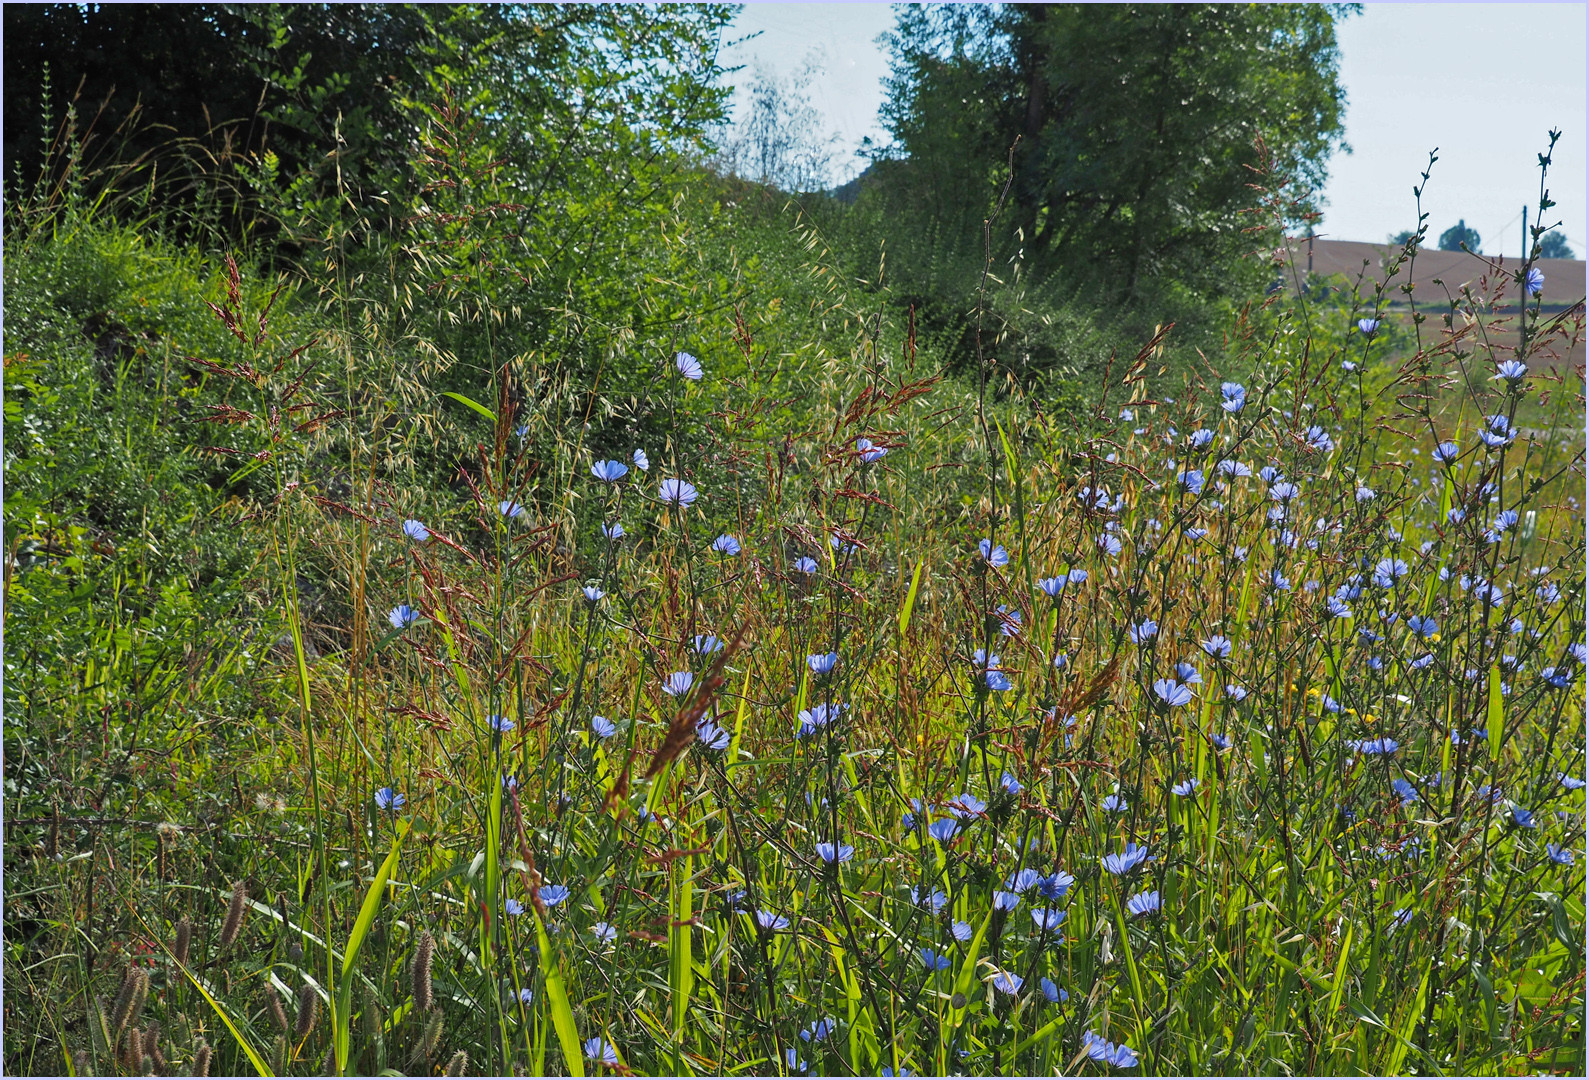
x: 845, y: 718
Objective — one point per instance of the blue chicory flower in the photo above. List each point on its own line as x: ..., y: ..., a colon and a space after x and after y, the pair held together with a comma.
x: 993, y: 554
x: 677, y: 493
x: 1172, y: 693
x: 1143, y: 903
x: 868, y: 450
x: 1128, y: 860
x: 830, y: 853
x: 599, y: 1049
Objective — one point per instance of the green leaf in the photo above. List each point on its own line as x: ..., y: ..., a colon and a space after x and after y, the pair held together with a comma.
x: 562, y: 1014
x: 910, y: 599
x: 350, y: 955
x: 253, y: 1055
x: 1339, y: 982
x: 739, y: 720
x: 473, y: 404
x: 967, y: 975
x: 1493, y: 716
x: 681, y: 971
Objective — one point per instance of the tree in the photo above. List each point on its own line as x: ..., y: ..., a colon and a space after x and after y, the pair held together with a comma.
x: 337, y: 93
x: 1553, y: 245
x: 1137, y: 127
x: 780, y: 142
x: 1458, y: 236
x: 1400, y: 239
x: 223, y: 82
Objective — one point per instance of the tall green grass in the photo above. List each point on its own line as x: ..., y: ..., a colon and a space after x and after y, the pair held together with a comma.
x: 1363, y: 856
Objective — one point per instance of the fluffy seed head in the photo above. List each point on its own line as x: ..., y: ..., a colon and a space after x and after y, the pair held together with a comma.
x: 129, y: 999
x: 234, y: 915
x: 179, y: 949
x: 433, y: 1029
x: 201, y: 1060
x: 423, y: 954
x: 151, y: 1046
x: 277, y: 1013
x: 131, y: 1051
x: 98, y: 1026
x: 459, y: 1063
x: 308, y: 1013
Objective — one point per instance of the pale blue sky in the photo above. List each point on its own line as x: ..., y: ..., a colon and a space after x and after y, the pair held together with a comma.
x: 1483, y: 82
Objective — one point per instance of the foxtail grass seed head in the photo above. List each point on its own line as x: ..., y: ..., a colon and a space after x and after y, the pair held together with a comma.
x: 201, y: 1060
x: 132, y: 1050
x: 424, y: 953
x: 184, y: 938
x: 277, y: 1013
x: 234, y: 915
x: 99, y: 1027
x: 129, y: 999
x: 279, y: 1055
x: 308, y: 1013
x: 151, y: 1046
x: 434, y: 1025
x: 459, y: 1065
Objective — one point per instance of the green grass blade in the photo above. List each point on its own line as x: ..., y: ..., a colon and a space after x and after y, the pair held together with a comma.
x: 1493, y: 715
x: 342, y: 1037
x: 910, y: 599
x: 732, y: 757
x: 1339, y: 982
x: 471, y: 403
x: 681, y: 969
x: 966, y: 978
x: 557, y: 998
x: 253, y: 1055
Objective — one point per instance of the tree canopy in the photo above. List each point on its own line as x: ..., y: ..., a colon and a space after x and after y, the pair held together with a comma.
x: 1460, y: 234
x: 1133, y: 127
x: 337, y: 93
x: 1553, y: 245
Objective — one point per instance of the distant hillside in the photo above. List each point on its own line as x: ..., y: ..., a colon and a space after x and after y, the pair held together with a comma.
x: 847, y: 193
x: 1564, y: 278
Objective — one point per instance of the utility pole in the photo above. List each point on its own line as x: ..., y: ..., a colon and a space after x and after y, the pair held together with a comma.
x: 1522, y: 291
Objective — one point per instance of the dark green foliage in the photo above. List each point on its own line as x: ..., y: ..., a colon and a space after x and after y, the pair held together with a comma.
x: 1553, y: 245
x: 1133, y: 133
x: 1137, y: 126
x: 306, y: 111
x: 220, y: 86
x: 1459, y: 236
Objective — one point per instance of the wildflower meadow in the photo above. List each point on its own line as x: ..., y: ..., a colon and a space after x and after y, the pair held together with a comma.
x: 772, y: 700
